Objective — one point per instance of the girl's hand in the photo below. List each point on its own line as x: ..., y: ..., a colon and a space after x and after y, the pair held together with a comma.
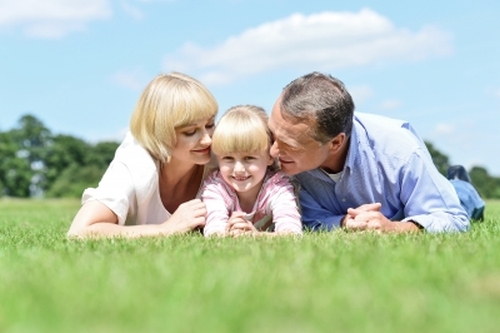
x: 237, y: 225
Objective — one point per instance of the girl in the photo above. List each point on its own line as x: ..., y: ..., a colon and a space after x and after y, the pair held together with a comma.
x: 248, y: 195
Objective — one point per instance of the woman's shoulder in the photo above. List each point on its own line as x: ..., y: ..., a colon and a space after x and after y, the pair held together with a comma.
x: 140, y: 164
x: 131, y: 150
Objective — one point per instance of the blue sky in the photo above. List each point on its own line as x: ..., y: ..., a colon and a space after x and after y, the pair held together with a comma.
x: 80, y: 65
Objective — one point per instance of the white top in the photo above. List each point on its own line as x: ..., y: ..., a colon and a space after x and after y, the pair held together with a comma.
x: 130, y: 186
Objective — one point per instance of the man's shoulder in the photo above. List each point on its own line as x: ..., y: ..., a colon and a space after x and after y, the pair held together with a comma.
x: 376, y: 121
x: 383, y: 134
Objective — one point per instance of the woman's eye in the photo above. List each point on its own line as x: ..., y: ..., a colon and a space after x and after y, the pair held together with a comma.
x: 190, y: 133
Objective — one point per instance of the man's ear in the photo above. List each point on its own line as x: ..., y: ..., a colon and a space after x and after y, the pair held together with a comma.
x: 337, y: 142
x: 271, y: 160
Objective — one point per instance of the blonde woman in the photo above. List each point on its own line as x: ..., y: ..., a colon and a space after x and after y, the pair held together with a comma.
x: 248, y: 195
x: 152, y: 186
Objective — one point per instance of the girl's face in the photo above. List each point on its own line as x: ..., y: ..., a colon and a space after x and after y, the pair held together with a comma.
x: 245, y: 171
x: 193, y: 141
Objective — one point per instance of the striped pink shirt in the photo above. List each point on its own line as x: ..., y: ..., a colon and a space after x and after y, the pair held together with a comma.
x: 275, y: 208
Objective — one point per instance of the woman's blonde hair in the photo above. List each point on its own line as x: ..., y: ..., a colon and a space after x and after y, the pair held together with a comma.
x: 243, y: 128
x: 169, y: 101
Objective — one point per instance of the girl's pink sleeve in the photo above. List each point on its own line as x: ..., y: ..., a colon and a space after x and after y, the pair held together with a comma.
x: 217, y: 210
x: 284, y: 207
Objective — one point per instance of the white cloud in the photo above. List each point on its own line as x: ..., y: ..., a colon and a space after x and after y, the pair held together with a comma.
x: 361, y: 93
x: 496, y: 92
x: 135, y: 79
x: 391, y: 104
x: 51, y: 18
x: 444, y: 129
x: 326, y: 41
x: 132, y: 11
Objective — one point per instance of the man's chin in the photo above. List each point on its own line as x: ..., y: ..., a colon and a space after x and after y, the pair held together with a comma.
x: 289, y: 169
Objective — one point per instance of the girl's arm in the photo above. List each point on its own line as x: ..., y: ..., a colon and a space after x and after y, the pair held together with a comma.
x: 284, y: 207
x: 214, y: 196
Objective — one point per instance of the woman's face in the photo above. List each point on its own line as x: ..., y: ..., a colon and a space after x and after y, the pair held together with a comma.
x: 193, y: 141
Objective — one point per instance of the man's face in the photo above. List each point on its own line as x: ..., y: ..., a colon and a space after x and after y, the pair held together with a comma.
x: 296, y: 150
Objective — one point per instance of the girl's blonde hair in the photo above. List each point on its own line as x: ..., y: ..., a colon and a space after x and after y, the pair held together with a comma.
x: 243, y: 128
x: 169, y: 101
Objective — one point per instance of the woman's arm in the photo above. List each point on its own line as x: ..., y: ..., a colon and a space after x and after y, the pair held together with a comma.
x: 96, y: 220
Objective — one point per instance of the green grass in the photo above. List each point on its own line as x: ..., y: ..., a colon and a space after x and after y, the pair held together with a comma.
x: 329, y: 282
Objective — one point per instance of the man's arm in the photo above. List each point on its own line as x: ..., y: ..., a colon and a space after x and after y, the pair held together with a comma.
x: 314, y: 216
x: 429, y: 198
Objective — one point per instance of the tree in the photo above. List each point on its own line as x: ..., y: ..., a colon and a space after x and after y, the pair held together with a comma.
x: 31, y: 138
x: 487, y: 186
x: 15, y: 171
x: 80, y: 166
x: 101, y: 154
x: 440, y: 160
x: 74, y: 180
x: 35, y: 163
x: 63, y: 152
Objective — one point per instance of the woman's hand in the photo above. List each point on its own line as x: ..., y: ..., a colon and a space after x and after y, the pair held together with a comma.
x: 188, y: 216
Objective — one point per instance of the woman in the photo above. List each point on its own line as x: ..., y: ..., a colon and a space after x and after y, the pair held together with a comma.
x: 152, y: 186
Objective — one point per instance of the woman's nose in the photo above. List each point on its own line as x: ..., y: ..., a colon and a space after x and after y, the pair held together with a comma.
x: 206, y: 139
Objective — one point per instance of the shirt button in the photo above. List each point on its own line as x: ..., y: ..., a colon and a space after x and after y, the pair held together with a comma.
x: 343, y: 199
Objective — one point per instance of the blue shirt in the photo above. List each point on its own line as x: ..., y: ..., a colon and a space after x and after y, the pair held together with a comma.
x: 387, y: 162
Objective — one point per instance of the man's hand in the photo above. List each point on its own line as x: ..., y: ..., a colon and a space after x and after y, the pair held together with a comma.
x: 369, y: 217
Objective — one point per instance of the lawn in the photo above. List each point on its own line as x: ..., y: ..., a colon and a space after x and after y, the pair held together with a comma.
x: 325, y: 282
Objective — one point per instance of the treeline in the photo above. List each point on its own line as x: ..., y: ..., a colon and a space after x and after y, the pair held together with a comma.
x: 487, y: 185
x: 34, y: 162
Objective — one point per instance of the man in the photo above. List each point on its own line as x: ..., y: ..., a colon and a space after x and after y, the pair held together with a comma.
x: 469, y: 197
x: 358, y: 171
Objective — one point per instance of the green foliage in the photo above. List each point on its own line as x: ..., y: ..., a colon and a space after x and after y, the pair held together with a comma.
x: 487, y: 185
x: 35, y: 162
x: 342, y: 282
x: 440, y: 160
x: 73, y: 180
